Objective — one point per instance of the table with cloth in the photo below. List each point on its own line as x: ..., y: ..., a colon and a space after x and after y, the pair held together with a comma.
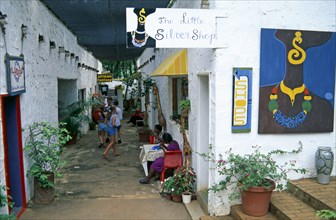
x: 148, y: 154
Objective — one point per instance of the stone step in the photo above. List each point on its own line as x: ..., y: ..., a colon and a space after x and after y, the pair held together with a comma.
x: 226, y: 217
x: 237, y: 214
x: 286, y: 206
x: 319, y: 196
x: 303, y: 199
x: 195, y: 210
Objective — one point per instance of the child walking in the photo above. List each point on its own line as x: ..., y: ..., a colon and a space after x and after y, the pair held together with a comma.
x: 112, y: 124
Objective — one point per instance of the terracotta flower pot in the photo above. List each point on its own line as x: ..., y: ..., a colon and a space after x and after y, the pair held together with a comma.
x: 256, y: 200
x: 143, y: 134
x: 43, y: 196
x: 177, y: 198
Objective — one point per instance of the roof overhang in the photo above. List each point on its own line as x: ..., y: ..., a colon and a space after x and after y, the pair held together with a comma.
x: 100, y: 25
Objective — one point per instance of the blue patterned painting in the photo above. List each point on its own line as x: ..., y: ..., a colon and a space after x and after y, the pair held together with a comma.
x: 297, y: 81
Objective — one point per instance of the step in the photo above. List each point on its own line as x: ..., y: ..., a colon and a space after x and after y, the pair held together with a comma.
x: 237, y: 214
x: 195, y: 210
x: 319, y: 196
x: 286, y: 206
x: 226, y: 217
x: 202, y: 198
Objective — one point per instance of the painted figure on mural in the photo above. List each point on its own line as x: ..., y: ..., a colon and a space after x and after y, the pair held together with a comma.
x: 297, y: 89
x: 139, y: 37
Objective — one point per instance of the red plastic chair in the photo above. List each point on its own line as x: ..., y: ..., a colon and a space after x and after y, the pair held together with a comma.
x: 171, y: 160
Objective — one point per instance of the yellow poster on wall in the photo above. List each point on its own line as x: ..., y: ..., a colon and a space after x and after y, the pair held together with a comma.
x: 106, y: 77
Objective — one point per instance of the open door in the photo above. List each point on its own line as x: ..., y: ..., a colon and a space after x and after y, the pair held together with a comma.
x: 13, y: 153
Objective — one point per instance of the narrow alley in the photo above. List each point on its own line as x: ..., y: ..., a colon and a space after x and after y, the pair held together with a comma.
x: 95, y: 188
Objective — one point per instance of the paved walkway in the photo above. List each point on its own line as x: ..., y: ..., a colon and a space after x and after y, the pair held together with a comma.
x: 95, y: 188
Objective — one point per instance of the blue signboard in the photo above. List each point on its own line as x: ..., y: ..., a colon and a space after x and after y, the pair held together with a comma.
x: 242, y: 100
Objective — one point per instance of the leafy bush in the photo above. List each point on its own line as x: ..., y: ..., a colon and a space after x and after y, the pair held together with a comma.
x: 326, y: 214
x: 183, y: 180
x: 4, y: 201
x: 44, y: 145
x: 252, y: 170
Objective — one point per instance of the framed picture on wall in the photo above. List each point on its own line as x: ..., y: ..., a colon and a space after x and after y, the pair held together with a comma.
x: 15, y: 72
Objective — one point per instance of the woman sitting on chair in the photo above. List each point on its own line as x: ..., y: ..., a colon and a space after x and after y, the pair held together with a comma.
x: 157, y: 165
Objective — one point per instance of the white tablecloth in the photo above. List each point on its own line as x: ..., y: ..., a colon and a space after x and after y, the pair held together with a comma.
x: 147, y: 154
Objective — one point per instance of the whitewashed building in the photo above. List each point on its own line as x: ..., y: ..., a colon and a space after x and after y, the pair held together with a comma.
x: 53, y: 77
x: 210, y: 85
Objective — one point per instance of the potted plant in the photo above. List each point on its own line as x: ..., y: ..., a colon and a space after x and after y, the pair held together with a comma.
x: 75, y: 116
x: 182, y: 182
x: 254, y: 174
x: 44, y: 144
x: 167, y: 187
x: 186, y: 177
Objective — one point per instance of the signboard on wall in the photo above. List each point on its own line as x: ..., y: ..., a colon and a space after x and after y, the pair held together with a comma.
x: 242, y: 100
x: 15, y: 72
x: 106, y: 77
x: 172, y: 28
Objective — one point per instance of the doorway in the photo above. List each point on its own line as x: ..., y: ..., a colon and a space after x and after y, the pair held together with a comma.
x: 13, y: 153
x: 203, y: 139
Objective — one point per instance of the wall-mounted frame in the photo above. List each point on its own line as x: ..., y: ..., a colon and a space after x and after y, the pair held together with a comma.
x: 15, y: 72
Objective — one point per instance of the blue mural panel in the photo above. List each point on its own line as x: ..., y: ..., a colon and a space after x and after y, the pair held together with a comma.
x: 297, y: 81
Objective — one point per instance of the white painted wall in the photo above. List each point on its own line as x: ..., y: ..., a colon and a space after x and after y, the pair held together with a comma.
x: 43, y: 66
x: 240, y: 31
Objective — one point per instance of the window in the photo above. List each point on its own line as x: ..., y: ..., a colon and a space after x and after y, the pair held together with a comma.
x: 82, y: 95
x: 180, y: 92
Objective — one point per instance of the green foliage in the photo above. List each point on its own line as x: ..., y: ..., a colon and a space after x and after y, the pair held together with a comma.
x: 185, y: 104
x: 183, y: 180
x: 76, y: 114
x: 4, y: 199
x: 44, y: 144
x: 126, y: 70
x: 120, y: 69
x: 176, y: 117
x: 252, y: 170
x: 168, y: 185
x: 148, y: 84
x: 326, y: 214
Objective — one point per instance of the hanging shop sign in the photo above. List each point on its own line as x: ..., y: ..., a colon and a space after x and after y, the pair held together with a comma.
x: 15, y: 72
x: 242, y: 100
x: 172, y: 28
x: 106, y: 77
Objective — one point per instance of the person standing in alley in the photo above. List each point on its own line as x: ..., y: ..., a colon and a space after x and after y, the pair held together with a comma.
x: 107, y: 109
x: 108, y: 104
x: 102, y: 127
x: 112, y: 124
x: 119, y: 114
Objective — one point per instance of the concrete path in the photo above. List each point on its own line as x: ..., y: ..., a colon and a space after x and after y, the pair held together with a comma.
x: 95, y: 188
